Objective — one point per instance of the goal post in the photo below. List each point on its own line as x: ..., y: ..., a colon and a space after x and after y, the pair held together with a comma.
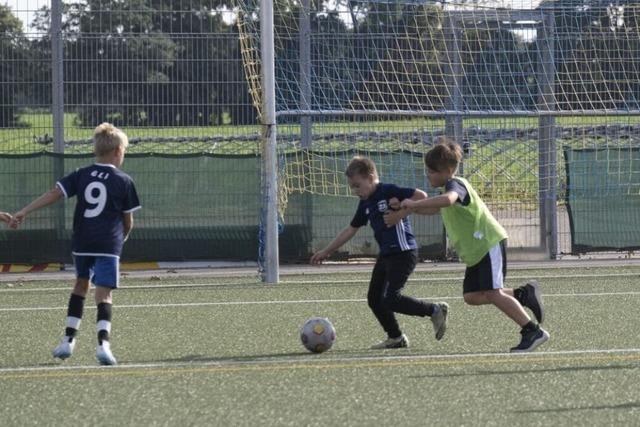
x: 269, y: 215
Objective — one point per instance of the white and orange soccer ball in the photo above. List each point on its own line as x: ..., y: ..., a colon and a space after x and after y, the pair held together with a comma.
x: 317, y: 334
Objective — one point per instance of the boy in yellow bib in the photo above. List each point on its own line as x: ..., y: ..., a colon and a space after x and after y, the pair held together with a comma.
x: 479, y: 241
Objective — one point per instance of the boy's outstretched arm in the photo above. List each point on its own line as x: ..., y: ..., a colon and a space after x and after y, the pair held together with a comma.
x: 426, y: 206
x: 128, y: 224
x: 393, y: 217
x: 343, y: 237
x: 48, y: 198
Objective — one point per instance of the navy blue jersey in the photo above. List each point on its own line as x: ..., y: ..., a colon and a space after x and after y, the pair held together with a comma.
x: 104, y: 194
x: 394, y: 239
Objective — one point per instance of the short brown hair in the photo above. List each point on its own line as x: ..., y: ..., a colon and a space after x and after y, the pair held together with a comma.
x: 107, y: 138
x: 446, y: 153
x: 362, y: 166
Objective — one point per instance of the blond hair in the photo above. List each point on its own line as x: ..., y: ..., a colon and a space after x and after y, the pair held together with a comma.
x: 106, y: 138
x: 362, y: 166
x: 445, y: 154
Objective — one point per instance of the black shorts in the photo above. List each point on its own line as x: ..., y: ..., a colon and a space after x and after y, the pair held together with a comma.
x: 489, y: 273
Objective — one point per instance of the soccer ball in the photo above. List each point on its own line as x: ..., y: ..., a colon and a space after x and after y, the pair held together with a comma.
x: 317, y: 334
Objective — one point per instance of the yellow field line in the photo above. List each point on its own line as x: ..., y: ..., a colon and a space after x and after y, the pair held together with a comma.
x: 230, y: 368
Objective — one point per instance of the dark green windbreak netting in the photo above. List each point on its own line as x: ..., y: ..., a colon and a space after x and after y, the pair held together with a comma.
x: 194, y: 207
x: 603, y: 198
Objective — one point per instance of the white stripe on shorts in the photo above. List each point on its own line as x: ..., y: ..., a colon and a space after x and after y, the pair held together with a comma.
x: 495, y: 255
x: 402, y: 237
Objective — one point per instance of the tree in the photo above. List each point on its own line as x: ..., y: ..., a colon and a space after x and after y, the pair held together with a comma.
x: 13, y: 66
x: 206, y: 83
x: 152, y: 63
x: 597, y: 52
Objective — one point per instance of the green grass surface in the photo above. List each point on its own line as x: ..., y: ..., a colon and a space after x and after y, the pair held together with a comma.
x: 228, y: 353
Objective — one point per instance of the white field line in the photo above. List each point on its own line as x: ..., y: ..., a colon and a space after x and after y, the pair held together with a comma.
x: 315, y: 360
x: 303, y: 301
x: 318, y: 282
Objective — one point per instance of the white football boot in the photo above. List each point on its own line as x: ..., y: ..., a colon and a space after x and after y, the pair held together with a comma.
x: 65, y: 349
x: 401, y: 342
x: 104, y: 355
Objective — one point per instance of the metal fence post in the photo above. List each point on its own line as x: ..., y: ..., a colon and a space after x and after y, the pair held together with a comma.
x: 547, y: 155
x: 57, y: 88
x: 306, y: 125
x: 453, y: 123
x: 305, y: 72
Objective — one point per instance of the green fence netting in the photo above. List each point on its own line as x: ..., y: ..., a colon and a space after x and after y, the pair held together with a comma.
x: 195, y: 207
x: 603, y: 198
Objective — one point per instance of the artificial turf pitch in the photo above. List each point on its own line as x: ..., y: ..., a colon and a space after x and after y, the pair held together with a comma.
x: 212, y: 351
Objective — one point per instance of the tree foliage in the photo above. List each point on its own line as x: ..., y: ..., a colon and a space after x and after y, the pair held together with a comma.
x: 151, y: 63
x: 178, y: 62
x: 13, y: 51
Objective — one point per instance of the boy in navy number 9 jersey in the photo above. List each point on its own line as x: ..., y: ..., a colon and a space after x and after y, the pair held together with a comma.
x: 103, y: 219
x: 398, y: 253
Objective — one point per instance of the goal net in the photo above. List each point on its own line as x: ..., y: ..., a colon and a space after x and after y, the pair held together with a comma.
x: 514, y: 82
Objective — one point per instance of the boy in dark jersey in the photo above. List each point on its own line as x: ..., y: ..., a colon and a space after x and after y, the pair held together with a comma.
x: 479, y: 240
x: 103, y: 219
x: 398, y: 253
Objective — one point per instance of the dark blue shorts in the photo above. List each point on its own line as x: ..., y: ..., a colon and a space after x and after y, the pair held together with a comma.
x: 103, y: 271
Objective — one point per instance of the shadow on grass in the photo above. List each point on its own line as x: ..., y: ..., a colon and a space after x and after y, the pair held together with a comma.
x: 200, y: 358
x: 203, y: 358
x: 529, y: 371
x: 630, y: 405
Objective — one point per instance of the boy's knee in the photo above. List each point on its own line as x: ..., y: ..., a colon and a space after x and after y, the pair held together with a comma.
x: 103, y: 295
x: 494, y: 295
x: 391, y: 300
x: 473, y: 298
x: 81, y: 287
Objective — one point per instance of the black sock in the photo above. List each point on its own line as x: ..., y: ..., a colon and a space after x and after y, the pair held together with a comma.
x: 74, y: 315
x: 103, y: 325
x: 530, y: 326
x: 518, y: 294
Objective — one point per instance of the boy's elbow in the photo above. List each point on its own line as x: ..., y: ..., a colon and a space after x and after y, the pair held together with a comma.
x: 419, y: 195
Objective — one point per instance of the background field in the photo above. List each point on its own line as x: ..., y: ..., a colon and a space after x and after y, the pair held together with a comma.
x: 37, y: 133
x: 225, y: 351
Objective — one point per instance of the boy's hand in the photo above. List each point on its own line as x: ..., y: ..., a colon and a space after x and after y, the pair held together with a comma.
x: 6, y: 217
x: 319, y: 256
x: 407, y: 204
x: 18, y: 218
x: 394, y: 203
x: 391, y: 218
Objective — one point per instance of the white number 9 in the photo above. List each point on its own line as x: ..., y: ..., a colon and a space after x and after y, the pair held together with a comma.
x: 100, y: 200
